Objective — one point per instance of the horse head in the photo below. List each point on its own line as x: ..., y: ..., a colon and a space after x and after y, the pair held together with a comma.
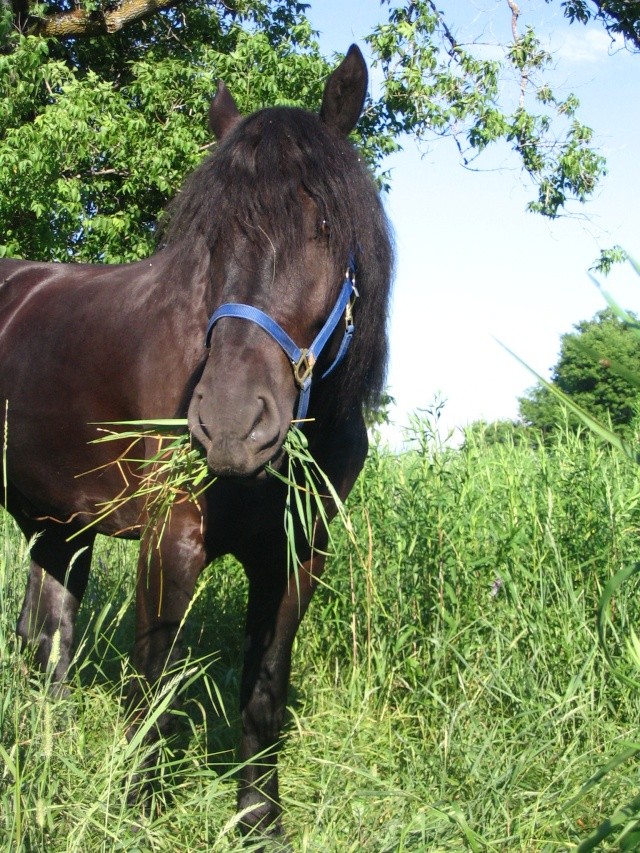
x: 282, y: 270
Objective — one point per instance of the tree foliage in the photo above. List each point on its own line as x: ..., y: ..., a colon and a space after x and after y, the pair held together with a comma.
x: 98, y: 133
x: 619, y: 17
x: 598, y: 368
x: 103, y: 107
x: 435, y: 84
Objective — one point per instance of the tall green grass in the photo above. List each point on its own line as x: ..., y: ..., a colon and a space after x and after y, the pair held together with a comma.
x: 449, y: 690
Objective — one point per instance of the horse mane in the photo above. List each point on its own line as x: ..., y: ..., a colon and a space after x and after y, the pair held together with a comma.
x: 252, y: 180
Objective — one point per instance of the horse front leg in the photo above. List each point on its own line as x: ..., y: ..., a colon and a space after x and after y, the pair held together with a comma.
x: 276, y: 605
x: 168, y: 568
x: 277, y: 602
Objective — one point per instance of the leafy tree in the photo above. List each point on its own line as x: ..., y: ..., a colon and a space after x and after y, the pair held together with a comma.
x: 103, y: 105
x: 597, y: 367
x: 620, y: 17
x: 97, y: 133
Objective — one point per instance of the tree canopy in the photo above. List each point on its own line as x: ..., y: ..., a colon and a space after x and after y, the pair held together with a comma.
x: 103, y: 105
x: 598, y: 368
x: 619, y: 17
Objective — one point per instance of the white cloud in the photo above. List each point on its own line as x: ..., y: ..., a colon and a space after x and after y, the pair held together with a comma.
x: 583, y: 45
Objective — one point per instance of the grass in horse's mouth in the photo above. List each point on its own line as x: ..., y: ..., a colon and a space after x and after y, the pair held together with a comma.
x: 178, y: 472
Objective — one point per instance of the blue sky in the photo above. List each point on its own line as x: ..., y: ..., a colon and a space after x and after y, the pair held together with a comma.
x: 473, y: 265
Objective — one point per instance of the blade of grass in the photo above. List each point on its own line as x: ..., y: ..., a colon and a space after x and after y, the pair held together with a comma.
x: 602, y: 431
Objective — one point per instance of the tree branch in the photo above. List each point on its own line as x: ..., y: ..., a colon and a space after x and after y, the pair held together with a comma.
x: 515, y: 14
x: 79, y: 23
x: 524, y: 76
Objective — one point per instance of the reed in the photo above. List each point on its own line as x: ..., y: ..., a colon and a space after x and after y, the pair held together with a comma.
x: 449, y: 690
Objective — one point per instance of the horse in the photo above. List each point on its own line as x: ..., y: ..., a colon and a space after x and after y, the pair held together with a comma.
x: 265, y: 304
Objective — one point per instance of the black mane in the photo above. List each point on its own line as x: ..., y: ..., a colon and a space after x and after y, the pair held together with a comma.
x: 253, y: 180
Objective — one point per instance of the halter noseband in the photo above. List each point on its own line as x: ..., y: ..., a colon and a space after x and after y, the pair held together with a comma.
x: 302, y: 360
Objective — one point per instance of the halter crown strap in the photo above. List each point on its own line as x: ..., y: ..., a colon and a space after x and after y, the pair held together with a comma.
x: 302, y: 360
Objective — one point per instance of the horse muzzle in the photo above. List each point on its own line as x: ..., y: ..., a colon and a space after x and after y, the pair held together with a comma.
x: 239, y: 437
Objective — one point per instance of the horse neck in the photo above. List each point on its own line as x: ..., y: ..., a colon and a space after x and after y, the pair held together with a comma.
x: 180, y: 282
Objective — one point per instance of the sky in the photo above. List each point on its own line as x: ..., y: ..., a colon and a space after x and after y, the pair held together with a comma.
x: 474, y: 269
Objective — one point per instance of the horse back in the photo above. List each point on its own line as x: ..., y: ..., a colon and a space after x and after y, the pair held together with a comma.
x: 74, y: 354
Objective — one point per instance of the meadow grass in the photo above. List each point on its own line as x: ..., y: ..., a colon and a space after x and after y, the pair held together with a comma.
x: 449, y: 690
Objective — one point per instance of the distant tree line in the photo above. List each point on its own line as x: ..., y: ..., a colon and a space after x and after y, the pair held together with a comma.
x: 598, y: 368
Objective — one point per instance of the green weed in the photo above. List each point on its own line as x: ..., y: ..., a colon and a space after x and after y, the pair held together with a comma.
x: 449, y: 690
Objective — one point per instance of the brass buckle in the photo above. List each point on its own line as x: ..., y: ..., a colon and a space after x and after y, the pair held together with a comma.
x: 348, y: 311
x: 303, y: 367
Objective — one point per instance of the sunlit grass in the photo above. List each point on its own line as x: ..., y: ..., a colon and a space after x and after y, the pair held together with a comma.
x: 448, y: 690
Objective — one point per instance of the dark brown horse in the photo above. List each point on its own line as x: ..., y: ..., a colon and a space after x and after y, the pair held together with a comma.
x: 271, y: 220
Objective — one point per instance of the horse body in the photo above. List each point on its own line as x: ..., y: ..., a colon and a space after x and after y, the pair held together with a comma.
x: 270, y: 220
x: 100, y: 345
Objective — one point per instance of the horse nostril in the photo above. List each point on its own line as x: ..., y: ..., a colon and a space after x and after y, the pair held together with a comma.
x: 266, y: 427
x: 197, y: 426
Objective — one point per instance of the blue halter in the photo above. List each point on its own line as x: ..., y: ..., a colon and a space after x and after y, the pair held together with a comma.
x: 302, y: 360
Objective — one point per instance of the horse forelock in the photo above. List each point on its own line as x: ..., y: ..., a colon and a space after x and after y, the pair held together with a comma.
x: 255, y: 181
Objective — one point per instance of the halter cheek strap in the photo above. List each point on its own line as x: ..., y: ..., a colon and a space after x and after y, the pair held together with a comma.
x: 303, y: 360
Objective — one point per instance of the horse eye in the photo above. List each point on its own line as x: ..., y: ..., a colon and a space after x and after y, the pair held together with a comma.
x: 323, y: 229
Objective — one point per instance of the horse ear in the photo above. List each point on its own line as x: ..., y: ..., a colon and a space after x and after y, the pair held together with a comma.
x: 344, y: 93
x: 223, y: 112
